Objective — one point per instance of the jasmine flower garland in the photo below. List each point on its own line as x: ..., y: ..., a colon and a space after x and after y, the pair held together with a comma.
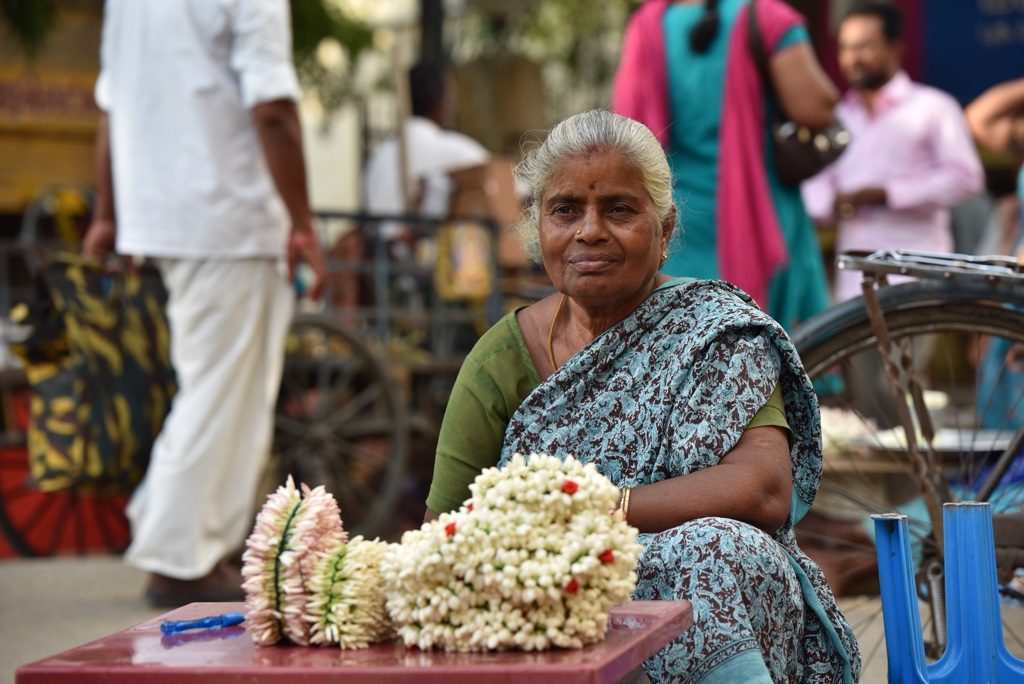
x: 346, y: 604
x: 534, y: 560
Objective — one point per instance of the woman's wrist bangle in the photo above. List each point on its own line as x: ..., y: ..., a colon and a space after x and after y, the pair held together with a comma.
x: 624, y: 503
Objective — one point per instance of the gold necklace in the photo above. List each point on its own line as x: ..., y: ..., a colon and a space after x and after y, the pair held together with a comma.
x: 551, y: 335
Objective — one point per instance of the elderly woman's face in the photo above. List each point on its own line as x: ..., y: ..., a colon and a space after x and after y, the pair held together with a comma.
x: 599, y: 233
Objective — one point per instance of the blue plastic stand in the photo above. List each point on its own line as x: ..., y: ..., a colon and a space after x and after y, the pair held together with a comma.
x: 975, y: 650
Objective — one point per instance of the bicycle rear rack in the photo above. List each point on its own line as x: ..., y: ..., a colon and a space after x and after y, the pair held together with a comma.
x: 933, y: 265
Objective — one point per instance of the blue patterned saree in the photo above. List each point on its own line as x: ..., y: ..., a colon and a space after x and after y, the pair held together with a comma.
x: 669, y: 391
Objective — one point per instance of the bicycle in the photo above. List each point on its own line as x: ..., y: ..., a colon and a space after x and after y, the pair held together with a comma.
x: 922, y: 393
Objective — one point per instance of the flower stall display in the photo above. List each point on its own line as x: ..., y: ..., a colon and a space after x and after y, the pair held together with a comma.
x: 534, y: 560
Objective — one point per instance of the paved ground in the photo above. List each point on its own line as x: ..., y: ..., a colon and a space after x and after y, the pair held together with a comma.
x: 50, y: 605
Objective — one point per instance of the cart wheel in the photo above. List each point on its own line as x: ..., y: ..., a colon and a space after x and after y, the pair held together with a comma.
x: 38, y: 523
x: 339, y: 422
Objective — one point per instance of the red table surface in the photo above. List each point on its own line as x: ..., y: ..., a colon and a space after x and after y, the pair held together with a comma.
x: 141, y: 653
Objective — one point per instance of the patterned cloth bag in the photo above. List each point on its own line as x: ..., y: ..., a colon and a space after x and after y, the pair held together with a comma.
x: 100, y: 374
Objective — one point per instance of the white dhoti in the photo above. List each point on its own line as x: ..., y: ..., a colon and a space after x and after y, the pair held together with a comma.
x: 228, y: 321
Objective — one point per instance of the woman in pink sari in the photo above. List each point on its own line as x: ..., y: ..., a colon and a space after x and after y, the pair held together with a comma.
x: 688, y: 74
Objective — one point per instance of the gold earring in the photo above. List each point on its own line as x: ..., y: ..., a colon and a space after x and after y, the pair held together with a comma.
x: 664, y: 257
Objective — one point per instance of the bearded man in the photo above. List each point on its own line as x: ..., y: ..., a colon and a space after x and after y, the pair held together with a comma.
x: 911, y: 155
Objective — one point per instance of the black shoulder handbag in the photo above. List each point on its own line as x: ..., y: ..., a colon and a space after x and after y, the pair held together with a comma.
x: 799, y: 152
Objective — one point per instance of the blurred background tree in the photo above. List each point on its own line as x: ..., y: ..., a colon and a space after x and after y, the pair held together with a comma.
x: 28, y: 22
x: 576, y: 42
x: 323, y: 40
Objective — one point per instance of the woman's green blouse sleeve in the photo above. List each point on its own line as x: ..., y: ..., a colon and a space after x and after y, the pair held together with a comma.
x: 495, y: 378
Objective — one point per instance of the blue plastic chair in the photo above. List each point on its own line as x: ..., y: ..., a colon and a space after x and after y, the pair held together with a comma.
x: 975, y: 651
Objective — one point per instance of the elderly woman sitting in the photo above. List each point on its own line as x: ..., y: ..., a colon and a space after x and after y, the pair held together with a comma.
x: 681, y: 391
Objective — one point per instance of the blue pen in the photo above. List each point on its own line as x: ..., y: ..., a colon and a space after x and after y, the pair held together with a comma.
x: 225, y: 620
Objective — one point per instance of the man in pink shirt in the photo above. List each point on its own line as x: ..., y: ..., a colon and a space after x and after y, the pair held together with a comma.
x: 911, y: 158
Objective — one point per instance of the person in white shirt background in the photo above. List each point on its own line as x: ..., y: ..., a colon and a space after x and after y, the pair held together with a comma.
x: 200, y: 168
x: 431, y: 152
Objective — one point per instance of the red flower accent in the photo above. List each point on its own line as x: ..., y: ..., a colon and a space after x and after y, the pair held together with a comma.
x: 572, y: 587
x: 449, y: 529
x: 570, y: 487
x: 469, y: 506
x: 607, y: 556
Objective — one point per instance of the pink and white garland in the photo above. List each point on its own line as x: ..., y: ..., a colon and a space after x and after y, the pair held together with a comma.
x: 300, y: 574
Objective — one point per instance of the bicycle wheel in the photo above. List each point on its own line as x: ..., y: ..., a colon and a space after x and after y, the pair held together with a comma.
x: 339, y: 423
x: 961, y: 343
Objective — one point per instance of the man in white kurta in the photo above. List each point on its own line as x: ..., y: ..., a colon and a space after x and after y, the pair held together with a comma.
x: 200, y: 168
x: 431, y: 151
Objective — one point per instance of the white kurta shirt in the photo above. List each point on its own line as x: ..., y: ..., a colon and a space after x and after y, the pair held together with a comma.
x: 178, y: 80
x: 431, y: 152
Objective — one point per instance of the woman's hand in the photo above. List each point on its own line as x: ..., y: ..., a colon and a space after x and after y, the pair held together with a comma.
x: 753, y: 484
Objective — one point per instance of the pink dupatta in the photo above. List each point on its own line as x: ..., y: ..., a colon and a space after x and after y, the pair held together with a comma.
x: 751, y: 249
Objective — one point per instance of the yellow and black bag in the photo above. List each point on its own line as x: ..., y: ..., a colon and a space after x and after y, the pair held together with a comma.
x: 99, y: 369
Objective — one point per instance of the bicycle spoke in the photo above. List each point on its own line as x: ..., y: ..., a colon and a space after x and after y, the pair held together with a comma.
x: 370, y: 427
x: 292, y: 385
x: 874, y: 615
x: 875, y: 647
x: 1009, y: 630
x: 290, y: 425
x: 352, y: 408
x: 357, y: 459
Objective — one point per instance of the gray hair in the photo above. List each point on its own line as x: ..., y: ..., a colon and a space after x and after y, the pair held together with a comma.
x: 597, y: 129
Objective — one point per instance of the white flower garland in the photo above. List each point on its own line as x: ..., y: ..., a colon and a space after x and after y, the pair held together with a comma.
x: 533, y: 560
x: 346, y: 603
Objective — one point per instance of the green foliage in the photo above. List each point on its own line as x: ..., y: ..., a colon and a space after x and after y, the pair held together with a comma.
x: 29, y: 22
x: 313, y: 21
